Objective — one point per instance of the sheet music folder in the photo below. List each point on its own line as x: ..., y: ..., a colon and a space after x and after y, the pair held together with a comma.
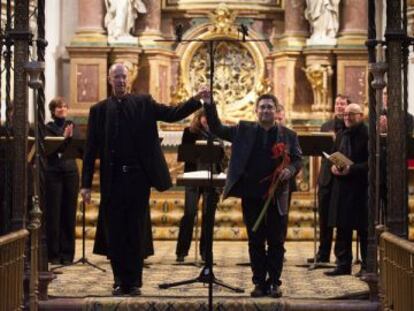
x: 314, y: 143
x: 74, y: 149
x: 202, y: 153
x: 201, y: 179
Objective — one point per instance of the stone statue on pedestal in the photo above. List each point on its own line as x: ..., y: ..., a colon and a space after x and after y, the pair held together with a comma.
x: 323, y: 18
x: 120, y: 19
x: 319, y: 78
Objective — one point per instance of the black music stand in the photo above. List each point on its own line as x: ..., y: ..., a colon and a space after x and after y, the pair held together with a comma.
x: 73, y: 149
x: 313, y: 144
x: 208, y: 154
x: 187, y: 153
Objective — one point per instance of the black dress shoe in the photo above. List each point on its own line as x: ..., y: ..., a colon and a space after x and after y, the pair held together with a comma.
x: 320, y: 259
x: 55, y: 261
x: 134, y: 291
x: 338, y: 271
x: 66, y: 262
x: 180, y: 258
x: 258, y: 291
x: 275, y: 291
x: 119, y: 291
x: 360, y: 273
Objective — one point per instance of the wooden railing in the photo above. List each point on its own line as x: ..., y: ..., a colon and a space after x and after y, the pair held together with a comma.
x: 12, y: 248
x: 396, y: 273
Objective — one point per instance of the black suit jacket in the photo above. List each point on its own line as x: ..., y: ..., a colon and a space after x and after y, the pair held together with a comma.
x: 143, y: 112
x: 325, y: 175
x: 243, y: 138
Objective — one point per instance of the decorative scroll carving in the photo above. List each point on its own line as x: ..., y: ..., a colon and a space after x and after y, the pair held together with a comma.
x: 223, y: 19
x: 234, y: 79
x: 180, y: 93
x: 132, y: 73
x: 320, y: 77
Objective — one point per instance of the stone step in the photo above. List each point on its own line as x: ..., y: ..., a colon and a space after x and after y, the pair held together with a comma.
x: 167, y: 210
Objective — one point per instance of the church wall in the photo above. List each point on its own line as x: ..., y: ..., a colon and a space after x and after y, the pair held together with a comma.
x: 61, y: 24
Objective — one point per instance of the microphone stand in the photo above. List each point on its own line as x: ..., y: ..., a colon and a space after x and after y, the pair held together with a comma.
x: 207, y: 275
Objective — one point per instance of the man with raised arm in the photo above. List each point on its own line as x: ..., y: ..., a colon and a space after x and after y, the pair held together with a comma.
x: 122, y: 129
x: 252, y: 163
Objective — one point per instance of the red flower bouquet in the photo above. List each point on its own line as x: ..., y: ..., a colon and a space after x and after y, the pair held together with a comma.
x: 280, y: 154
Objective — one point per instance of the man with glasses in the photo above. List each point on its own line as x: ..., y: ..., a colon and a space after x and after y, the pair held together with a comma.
x: 349, y: 197
x: 250, y: 163
x: 325, y: 183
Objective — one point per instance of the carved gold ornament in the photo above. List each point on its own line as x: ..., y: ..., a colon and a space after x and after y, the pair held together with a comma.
x: 319, y: 78
x: 180, y: 93
x: 239, y: 67
x: 234, y: 78
x: 132, y: 73
x: 222, y: 19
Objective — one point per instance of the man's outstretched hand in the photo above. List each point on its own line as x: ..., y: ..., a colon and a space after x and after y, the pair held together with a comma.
x: 203, y: 94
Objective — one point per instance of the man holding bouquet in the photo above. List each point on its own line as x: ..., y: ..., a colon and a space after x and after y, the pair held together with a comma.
x: 264, y: 157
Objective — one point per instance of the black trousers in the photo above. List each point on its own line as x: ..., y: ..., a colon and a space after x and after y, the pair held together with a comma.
x: 61, y: 202
x: 192, y: 197
x: 266, y: 264
x: 343, y: 246
x: 126, y: 222
x: 325, y: 231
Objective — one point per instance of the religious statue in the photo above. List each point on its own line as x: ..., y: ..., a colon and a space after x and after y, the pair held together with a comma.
x: 120, y: 19
x: 319, y: 78
x: 323, y: 18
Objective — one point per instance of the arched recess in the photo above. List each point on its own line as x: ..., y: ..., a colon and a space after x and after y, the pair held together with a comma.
x: 240, y: 70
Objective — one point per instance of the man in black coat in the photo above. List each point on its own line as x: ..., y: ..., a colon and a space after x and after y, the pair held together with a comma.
x: 349, y: 198
x: 250, y: 163
x: 123, y: 131
x: 325, y: 183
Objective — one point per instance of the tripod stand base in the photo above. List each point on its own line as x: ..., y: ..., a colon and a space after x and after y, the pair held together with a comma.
x: 81, y: 261
x: 197, y: 264
x: 206, y: 276
x: 317, y: 265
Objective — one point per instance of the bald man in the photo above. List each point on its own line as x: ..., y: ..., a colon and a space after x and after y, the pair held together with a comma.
x: 122, y: 129
x: 349, y: 199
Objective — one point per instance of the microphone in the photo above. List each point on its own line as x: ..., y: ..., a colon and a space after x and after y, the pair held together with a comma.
x: 244, y: 31
x: 179, y: 31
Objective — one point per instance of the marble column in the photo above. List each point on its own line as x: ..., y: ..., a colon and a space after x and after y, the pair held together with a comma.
x: 151, y: 24
x: 91, y: 14
x: 296, y: 26
x: 353, y: 23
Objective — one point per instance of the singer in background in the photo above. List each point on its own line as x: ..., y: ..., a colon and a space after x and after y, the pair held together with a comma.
x: 62, y: 184
x: 198, y: 130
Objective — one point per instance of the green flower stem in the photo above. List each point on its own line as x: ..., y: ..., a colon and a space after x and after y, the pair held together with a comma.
x: 272, y: 190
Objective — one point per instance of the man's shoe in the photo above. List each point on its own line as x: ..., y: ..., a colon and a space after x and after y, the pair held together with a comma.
x: 338, y: 271
x: 258, y: 291
x: 55, y: 261
x: 66, y: 262
x: 275, y: 291
x: 180, y: 258
x: 320, y: 259
x: 118, y: 291
x: 360, y: 273
x: 134, y: 291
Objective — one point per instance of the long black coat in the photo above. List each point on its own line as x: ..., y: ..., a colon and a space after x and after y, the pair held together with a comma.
x: 349, y: 199
x: 325, y: 175
x: 243, y: 138
x: 142, y: 113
